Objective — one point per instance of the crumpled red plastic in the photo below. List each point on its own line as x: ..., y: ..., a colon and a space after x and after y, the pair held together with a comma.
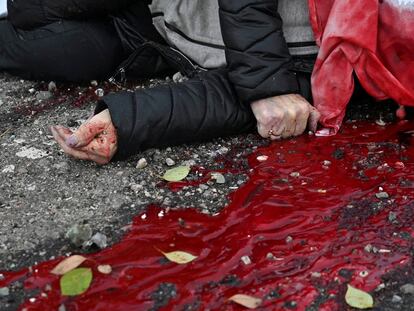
x: 373, y: 39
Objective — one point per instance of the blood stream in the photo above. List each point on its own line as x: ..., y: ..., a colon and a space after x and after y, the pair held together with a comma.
x: 320, y: 213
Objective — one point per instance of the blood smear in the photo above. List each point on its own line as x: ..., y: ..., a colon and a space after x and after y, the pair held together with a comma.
x: 308, y: 236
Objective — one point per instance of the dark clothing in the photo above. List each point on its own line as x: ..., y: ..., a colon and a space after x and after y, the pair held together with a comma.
x: 211, y: 104
x: 258, y: 58
x: 196, y: 110
x: 63, y: 51
x: 30, y: 14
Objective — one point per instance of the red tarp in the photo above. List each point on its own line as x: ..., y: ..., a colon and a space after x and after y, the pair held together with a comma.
x: 373, y: 39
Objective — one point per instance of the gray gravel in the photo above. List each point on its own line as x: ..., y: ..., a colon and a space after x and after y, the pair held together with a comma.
x: 44, y: 193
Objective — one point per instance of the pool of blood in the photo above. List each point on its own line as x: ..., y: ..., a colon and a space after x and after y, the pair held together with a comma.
x: 311, y: 219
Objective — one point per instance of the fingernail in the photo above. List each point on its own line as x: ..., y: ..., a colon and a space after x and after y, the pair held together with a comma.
x: 72, y: 141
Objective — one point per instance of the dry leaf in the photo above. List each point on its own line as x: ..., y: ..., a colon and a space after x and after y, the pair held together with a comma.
x: 359, y: 299
x: 179, y: 257
x: 68, y: 265
x: 246, y: 301
x: 105, y: 269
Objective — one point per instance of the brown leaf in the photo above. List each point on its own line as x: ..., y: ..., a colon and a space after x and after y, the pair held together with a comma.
x: 246, y: 301
x: 179, y: 257
x: 68, y: 265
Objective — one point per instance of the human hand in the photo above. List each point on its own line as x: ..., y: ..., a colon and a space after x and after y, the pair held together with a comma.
x: 95, y: 140
x: 284, y: 116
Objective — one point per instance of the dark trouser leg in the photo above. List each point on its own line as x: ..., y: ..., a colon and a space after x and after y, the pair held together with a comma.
x: 64, y: 51
x: 200, y: 109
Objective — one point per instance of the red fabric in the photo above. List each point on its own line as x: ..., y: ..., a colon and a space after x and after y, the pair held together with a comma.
x: 374, y: 39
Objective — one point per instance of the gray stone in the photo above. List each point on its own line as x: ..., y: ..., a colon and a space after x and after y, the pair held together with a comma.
x: 392, y: 216
x: 407, y: 289
x: 142, y: 163
x: 178, y: 77
x: 169, y: 162
x: 4, y: 291
x: 100, y: 92
x: 52, y: 86
x: 44, y: 95
x: 99, y: 240
x: 382, y: 195
x: 79, y: 234
x: 368, y: 248
x: 219, y: 178
x: 396, y: 299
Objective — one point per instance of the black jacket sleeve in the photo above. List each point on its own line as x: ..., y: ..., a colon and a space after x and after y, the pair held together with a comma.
x: 257, y: 55
x: 29, y: 14
x: 199, y: 109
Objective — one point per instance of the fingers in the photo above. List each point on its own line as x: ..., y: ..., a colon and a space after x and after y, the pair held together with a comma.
x: 61, y: 134
x: 314, y: 118
x: 85, y: 134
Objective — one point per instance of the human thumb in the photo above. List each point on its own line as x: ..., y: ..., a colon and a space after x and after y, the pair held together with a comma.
x: 314, y: 118
x: 84, y: 135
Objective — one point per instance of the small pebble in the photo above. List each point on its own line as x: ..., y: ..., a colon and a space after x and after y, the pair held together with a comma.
x: 169, y: 162
x: 407, y: 289
x: 262, y: 158
x: 100, y: 92
x: 392, y: 216
x: 99, y: 240
x: 270, y: 256
x: 52, y: 86
x: 142, y: 163
x: 326, y: 163
x: 8, y: 169
x: 79, y: 234
x: 218, y: 177
x: 396, y: 299
x: 289, y: 239
x: 177, y: 77
x: 94, y: 83
x: 4, y: 291
x: 316, y: 274
x: 246, y: 260
x: 368, y: 248
x: 295, y: 174
x: 382, y: 195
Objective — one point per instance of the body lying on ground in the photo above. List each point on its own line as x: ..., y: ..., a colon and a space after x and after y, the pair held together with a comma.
x: 249, y: 63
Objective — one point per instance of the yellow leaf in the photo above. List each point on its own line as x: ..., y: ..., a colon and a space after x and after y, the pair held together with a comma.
x: 246, y: 301
x: 179, y: 257
x: 105, y: 269
x: 68, y: 265
x: 359, y: 299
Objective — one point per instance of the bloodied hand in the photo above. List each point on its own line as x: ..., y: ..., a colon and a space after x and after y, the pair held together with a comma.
x: 95, y: 140
x: 284, y: 116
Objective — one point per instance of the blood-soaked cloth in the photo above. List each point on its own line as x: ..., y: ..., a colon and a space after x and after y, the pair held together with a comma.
x: 373, y: 39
